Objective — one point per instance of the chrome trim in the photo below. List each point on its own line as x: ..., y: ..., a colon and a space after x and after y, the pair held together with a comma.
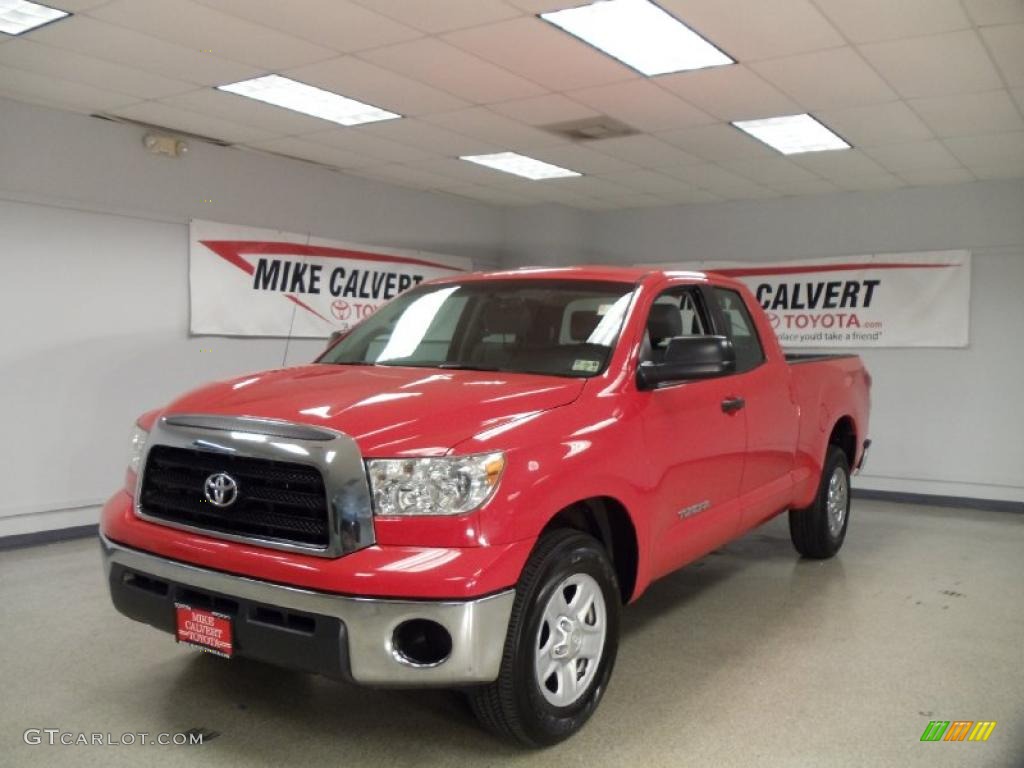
x: 334, y: 454
x: 477, y: 627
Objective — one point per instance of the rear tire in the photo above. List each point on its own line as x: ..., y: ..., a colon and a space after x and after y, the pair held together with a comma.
x: 561, y: 643
x: 819, y: 530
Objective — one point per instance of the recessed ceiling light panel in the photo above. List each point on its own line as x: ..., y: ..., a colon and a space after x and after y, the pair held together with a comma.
x: 309, y: 100
x: 17, y: 16
x: 521, y: 165
x: 639, y: 34
x: 792, y: 134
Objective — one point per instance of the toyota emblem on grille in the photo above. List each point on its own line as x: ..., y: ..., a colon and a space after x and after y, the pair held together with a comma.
x: 221, y: 489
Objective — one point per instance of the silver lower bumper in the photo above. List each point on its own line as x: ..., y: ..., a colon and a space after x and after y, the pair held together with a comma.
x: 477, y: 627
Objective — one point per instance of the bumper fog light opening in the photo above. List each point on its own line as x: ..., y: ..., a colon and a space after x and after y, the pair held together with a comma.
x: 421, y: 643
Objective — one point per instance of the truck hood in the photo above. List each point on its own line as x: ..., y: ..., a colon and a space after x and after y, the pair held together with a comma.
x: 389, y: 411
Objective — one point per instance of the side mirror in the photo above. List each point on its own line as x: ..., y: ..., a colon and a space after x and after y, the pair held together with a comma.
x: 688, y: 358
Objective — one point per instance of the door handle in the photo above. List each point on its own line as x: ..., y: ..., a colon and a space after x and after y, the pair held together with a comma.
x: 733, y: 404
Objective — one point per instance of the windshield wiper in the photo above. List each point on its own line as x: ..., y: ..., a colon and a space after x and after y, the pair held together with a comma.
x: 467, y: 367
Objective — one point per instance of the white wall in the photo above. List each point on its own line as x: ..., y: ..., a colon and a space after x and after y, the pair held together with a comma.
x: 94, y: 286
x: 944, y: 421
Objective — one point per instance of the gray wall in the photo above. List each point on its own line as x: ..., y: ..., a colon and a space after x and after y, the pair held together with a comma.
x: 944, y: 421
x: 94, y: 286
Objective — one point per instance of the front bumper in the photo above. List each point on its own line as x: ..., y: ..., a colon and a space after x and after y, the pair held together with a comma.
x: 339, y: 636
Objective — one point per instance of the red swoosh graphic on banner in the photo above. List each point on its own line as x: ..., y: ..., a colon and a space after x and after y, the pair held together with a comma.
x: 231, y: 251
x: 796, y: 270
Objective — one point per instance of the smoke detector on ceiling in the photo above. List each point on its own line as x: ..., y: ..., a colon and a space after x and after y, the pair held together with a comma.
x: 591, y: 129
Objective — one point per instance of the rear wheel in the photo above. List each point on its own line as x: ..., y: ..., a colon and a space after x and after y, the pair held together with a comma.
x: 561, y: 643
x: 819, y: 530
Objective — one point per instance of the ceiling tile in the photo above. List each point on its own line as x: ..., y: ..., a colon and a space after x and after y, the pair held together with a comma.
x: 923, y: 177
x: 360, y: 142
x: 995, y: 11
x: 358, y: 79
x: 242, y: 111
x: 594, y: 186
x: 1007, y: 46
x: 870, y: 20
x: 466, y: 172
x: 718, y: 142
x: 407, y: 176
x: 827, y: 79
x: 1018, y: 95
x: 642, y: 150
x: 488, y: 195
x: 916, y: 155
x: 207, y: 29
x: 870, y: 183
x: 1013, y: 169
x: 543, y: 6
x: 955, y: 62
x: 642, y: 105
x: 317, y: 153
x: 25, y: 54
x: 876, y: 124
x: 178, y: 119
x: 446, y: 67
x: 770, y: 170
x: 648, y: 181
x: 967, y: 114
x: 337, y: 24
x: 579, y: 157
x: 482, y: 123
x: 544, y: 110
x: 442, y: 15
x: 729, y: 93
x: 813, y: 187
x: 124, y: 46
x: 79, y: 6
x: 988, y: 150
x: 430, y: 138
x: 838, y: 164
x: 54, y: 92
x: 637, y: 200
x: 536, y: 50
x: 748, y: 31
x: 706, y: 175
x: 688, y: 195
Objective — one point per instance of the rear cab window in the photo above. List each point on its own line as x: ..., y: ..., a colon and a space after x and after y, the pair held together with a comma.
x: 739, y: 328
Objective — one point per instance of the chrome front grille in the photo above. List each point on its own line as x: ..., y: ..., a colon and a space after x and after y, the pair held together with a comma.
x: 284, y: 485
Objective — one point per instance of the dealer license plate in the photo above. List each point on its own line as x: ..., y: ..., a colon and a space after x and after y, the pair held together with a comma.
x: 205, y: 630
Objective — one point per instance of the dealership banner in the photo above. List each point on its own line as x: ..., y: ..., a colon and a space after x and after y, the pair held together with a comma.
x: 246, y: 281
x: 881, y: 300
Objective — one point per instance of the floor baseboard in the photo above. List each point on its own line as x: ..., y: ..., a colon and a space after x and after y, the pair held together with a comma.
x: 19, y: 540
x: 931, y: 500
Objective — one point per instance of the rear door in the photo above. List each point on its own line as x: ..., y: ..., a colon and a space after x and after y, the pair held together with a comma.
x: 772, y: 415
x: 695, y: 448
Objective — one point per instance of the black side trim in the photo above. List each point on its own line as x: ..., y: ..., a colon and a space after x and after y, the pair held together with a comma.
x: 20, y: 540
x: 794, y: 358
x: 927, y: 499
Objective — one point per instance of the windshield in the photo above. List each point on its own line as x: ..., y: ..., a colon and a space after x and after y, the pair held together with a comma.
x: 554, y: 327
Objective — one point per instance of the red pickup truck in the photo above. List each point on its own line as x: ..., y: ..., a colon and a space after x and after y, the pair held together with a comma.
x: 466, y: 488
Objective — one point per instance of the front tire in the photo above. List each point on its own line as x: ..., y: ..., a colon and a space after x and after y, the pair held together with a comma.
x: 561, y: 643
x: 819, y: 530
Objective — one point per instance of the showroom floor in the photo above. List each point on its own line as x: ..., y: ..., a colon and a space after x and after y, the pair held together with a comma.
x: 747, y: 657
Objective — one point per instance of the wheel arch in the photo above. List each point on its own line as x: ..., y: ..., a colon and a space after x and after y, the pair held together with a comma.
x: 608, y: 520
x: 844, y: 437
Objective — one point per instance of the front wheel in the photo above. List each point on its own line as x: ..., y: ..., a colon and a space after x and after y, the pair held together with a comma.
x: 561, y: 643
x: 819, y: 530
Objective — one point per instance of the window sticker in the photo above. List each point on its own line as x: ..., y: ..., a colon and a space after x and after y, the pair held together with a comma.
x: 586, y: 366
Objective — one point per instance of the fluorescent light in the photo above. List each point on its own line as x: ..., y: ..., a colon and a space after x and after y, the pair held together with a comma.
x: 639, y: 34
x: 521, y: 165
x: 17, y: 16
x: 792, y: 134
x: 309, y: 100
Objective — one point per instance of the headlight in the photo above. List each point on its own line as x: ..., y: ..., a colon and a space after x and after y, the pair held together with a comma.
x: 138, y: 443
x: 452, y: 485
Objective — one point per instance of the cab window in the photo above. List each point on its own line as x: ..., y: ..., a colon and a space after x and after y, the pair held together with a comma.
x: 676, y: 312
x: 739, y: 327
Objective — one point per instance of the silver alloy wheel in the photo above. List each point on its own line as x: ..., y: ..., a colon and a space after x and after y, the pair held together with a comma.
x: 570, y: 640
x: 838, y: 501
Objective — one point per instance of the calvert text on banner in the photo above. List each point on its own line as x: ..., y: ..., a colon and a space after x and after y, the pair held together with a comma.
x: 246, y: 281
x: 881, y: 300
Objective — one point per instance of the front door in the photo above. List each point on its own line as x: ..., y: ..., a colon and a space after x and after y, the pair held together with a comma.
x: 695, y: 447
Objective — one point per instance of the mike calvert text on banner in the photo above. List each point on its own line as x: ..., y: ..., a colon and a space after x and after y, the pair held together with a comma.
x: 246, y: 281
x: 880, y: 300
